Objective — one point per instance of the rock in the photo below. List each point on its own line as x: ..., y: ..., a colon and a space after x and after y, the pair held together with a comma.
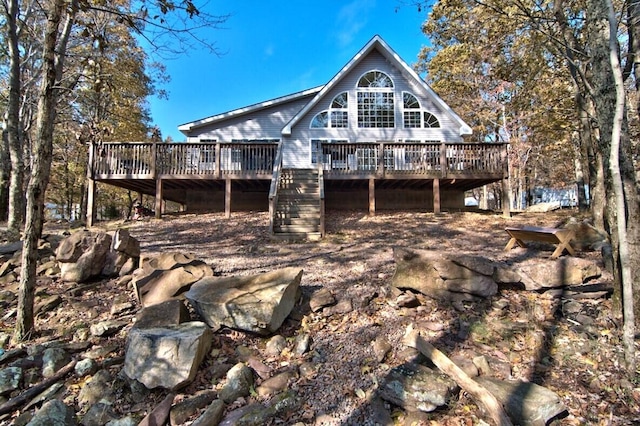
x: 181, y: 411
x: 98, y: 415
x: 380, y: 347
x: 344, y: 306
x: 415, y: 387
x: 302, y: 344
x: 98, y: 388
x: 82, y: 255
x: 160, y: 414
x: 276, y: 345
x: 275, y: 384
x: 86, y: 367
x: 257, y: 414
x: 527, y: 404
x: 320, y: 299
x: 53, y: 359
x: 407, y: 300
x: 166, y: 357
x: 10, y: 379
x: 164, y: 285
x: 238, y: 383
x: 550, y: 273
x: 123, y: 242
x: 164, y: 314
x: 212, y: 415
x: 46, y: 304
x: 10, y: 248
x: 262, y: 370
x: 442, y: 278
x: 125, y: 421
x: 106, y: 328
x: 258, y: 303
x: 544, y: 207
x: 585, y: 235
x: 54, y: 412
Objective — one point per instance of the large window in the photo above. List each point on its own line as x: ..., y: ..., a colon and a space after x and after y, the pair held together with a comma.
x: 336, y: 117
x: 375, y: 100
x: 411, y: 115
x: 316, y: 150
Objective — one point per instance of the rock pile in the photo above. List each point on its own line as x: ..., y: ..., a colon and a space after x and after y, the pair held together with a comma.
x: 174, y: 338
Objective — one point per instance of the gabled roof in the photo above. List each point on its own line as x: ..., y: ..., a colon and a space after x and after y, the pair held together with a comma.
x: 375, y: 43
x: 187, y: 127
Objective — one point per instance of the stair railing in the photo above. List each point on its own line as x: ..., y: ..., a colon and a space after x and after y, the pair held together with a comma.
x: 321, y: 186
x: 273, y: 190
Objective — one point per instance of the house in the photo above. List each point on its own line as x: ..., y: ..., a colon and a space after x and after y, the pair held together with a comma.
x: 375, y: 136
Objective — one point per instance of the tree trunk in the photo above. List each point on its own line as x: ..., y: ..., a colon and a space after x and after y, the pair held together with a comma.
x: 16, y: 192
x: 5, y: 176
x: 618, y: 190
x: 40, y: 169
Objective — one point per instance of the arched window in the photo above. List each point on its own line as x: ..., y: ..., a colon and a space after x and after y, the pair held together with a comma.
x: 320, y: 120
x: 336, y: 117
x: 430, y: 121
x: 375, y: 79
x: 375, y: 100
x: 411, y: 115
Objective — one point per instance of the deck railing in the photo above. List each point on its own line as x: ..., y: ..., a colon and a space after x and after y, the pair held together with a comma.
x: 415, y: 159
x: 142, y: 159
x: 248, y: 159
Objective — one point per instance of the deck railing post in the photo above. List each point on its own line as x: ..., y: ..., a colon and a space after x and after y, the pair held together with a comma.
x: 154, y: 159
x: 443, y: 159
x: 506, y: 192
x: 380, y: 169
x: 218, y: 171
x: 91, y: 186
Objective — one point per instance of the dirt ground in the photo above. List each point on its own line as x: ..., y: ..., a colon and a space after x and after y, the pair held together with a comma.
x: 534, y: 336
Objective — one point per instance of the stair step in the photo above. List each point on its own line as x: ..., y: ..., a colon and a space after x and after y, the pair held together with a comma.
x: 296, y: 221
x: 296, y: 228
x: 294, y: 236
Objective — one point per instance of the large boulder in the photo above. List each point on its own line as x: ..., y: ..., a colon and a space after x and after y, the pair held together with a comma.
x: 167, y: 276
x: 85, y: 255
x: 536, y: 274
x: 166, y: 357
x: 441, y: 277
x: 82, y: 255
x: 415, y: 387
x: 527, y: 404
x: 258, y: 303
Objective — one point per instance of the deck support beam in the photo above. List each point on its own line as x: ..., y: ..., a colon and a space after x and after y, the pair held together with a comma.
x: 506, y: 198
x: 372, y: 196
x: 158, y: 205
x: 227, y: 198
x: 436, y: 196
x: 91, y: 202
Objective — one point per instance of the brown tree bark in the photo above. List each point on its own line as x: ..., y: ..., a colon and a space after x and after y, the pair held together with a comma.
x: 16, y: 193
x: 40, y: 169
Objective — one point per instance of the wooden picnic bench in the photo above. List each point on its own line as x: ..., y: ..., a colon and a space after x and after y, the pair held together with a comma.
x: 561, y: 237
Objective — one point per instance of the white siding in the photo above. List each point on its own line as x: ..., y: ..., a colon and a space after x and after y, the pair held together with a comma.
x: 297, y: 149
x: 266, y: 123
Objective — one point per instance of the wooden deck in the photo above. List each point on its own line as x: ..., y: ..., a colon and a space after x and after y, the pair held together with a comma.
x: 168, y: 170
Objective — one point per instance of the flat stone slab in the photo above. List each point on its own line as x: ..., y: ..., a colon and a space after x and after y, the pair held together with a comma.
x: 258, y: 303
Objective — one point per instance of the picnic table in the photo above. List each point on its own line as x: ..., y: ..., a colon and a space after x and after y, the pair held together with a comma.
x: 559, y: 236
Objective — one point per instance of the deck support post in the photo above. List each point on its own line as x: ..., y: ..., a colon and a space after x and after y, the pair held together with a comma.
x: 91, y: 188
x: 227, y: 198
x: 372, y: 196
x: 158, y: 205
x: 91, y: 203
x: 506, y: 198
x: 506, y: 188
x: 436, y: 196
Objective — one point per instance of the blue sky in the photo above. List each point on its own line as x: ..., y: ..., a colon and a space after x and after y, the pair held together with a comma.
x: 275, y: 48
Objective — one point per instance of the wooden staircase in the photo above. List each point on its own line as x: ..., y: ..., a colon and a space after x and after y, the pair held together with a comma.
x: 298, y: 210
